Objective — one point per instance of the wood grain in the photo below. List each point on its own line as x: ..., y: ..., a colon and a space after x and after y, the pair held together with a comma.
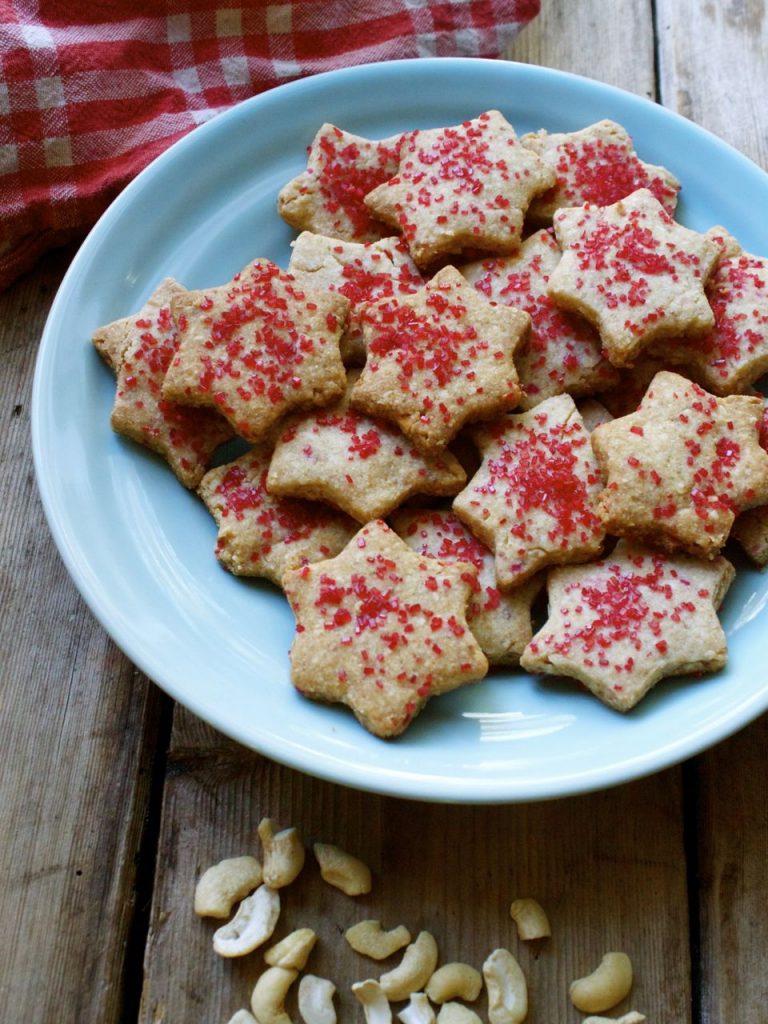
x: 729, y: 793
x: 78, y: 731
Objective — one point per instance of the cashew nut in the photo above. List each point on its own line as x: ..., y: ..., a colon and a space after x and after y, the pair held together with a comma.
x: 293, y: 950
x: 633, y: 1017
x: 316, y: 1000
x: 251, y: 926
x: 507, y: 988
x: 454, y: 981
x: 414, y: 970
x: 457, y: 1013
x: 531, y: 921
x: 283, y: 854
x: 269, y: 995
x: 374, y: 1002
x: 339, y: 868
x: 418, y: 1010
x: 368, y: 938
x: 605, y: 987
x: 225, y: 884
x: 242, y: 1017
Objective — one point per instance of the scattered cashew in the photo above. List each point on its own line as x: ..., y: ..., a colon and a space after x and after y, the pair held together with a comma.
x: 316, y: 1000
x: 418, y: 1010
x: 605, y: 987
x: 454, y: 980
x: 293, y: 950
x: 633, y: 1017
x: 457, y: 1013
x: 374, y: 1002
x: 531, y: 921
x: 283, y: 854
x: 339, y: 868
x: 225, y: 884
x: 269, y: 995
x: 251, y: 926
x: 414, y: 970
x: 242, y: 1017
x: 368, y: 938
x: 507, y: 988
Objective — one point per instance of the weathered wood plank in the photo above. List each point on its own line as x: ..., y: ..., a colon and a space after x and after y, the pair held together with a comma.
x: 712, y: 60
x: 77, y: 733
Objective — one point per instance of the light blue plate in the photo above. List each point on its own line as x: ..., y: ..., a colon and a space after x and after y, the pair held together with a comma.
x: 139, y: 547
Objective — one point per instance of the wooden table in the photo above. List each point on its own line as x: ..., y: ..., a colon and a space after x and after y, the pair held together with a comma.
x: 112, y: 799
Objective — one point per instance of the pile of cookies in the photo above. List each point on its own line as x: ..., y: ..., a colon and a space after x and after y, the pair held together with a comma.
x: 494, y: 364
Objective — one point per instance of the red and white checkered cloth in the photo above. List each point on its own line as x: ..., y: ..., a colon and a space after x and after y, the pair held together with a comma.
x: 90, y: 92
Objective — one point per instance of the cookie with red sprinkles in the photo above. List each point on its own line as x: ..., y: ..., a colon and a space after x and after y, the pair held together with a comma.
x: 533, y: 501
x: 463, y: 187
x: 257, y: 347
x: 562, y: 352
x: 634, y: 272
x: 598, y: 165
x: 139, y: 348
x: 328, y: 198
x: 438, y: 359
x: 500, y: 621
x: 261, y: 535
x: 680, y: 468
x: 623, y: 623
x: 358, y: 463
x: 382, y: 629
x: 360, y: 271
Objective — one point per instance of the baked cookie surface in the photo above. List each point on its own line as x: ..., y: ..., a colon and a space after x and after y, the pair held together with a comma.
x: 634, y: 272
x: 382, y: 629
x: 621, y: 624
x: 466, y: 186
x: 438, y: 359
x: 257, y: 347
x: 681, y: 467
x: 533, y: 501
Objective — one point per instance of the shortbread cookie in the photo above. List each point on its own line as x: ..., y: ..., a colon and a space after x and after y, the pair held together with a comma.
x: 533, y: 501
x: 360, y: 271
x: 464, y: 187
x: 257, y: 347
x: 358, y: 463
x: 633, y: 272
x: 382, y: 629
x: 627, y: 394
x: 593, y: 413
x: 139, y: 348
x: 438, y: 359
x: 622, y: 624
x: 596, y: 165
x: 563, y: 352
x: 750, y: 530
x: 329, y: 196
x: 501, y: 622
x: 260, y: 535
x: 680, y: 468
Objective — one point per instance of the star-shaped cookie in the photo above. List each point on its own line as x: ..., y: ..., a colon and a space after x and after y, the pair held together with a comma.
x: 562, y: 352
x: 597, y: 164
x: 501, y: 622
x: 360, y: 271
x: 467, y: 186
x: 361, y: 464
x: 679, y: 468
x: 139, y: 348
x: 439, y: 359
x: 329, y: 196
x: 635, y: 273
x: 382, y: 629
x: 622, y: 624
x: 260, y: 535
x: 257, y: 347
x: 533, y: 501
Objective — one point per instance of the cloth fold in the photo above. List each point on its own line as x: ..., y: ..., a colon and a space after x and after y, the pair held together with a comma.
x: 91, y: 92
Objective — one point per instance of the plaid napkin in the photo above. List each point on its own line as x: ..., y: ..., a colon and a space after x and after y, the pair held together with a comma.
x: 86, y: 103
